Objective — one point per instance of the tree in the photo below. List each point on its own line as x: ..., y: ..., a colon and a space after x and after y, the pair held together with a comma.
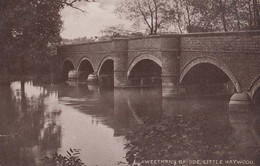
x: 28, y: 31
x: 217, y: 15
x: 189, y: 15
x: 256, y: 9
x: 153, y: 14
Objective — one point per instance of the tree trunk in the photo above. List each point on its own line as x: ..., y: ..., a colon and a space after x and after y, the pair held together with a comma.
x: 223, y: 17
x: 188, y: 14
x: 250, y: 21
x: 179, y: 16
x: 256, y: 14
x: 144, y: 17
x: 4, y: 72
x: 156, y: 17
x: 152, y: 19
x: 22, y: 64
x: 23, y: 96
x: 237, y: 15
x: 4, y: 75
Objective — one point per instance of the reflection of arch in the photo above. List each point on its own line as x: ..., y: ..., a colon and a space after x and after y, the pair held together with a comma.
x: 143, y: 57
x: 256, y: 130
x: 67, y: 66
x: 102, y: 62
x: 1, y: 64
x: 212, y: 61
x: 135, y: 115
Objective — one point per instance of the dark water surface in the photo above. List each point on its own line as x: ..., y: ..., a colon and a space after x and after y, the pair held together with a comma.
x: 38, y: 120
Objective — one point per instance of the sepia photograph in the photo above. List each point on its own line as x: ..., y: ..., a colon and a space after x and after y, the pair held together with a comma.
x: 129, y: 82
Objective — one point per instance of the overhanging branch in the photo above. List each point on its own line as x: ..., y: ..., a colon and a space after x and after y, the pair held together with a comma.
x: 71, y: 4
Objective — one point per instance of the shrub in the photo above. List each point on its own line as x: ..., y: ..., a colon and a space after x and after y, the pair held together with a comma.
x: 71, y: 159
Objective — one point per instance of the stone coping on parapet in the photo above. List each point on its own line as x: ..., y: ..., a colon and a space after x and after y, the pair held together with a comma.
x: 92, y: 42
x: 252, y: 32
x: 165, y: 35
x: 237, y: 33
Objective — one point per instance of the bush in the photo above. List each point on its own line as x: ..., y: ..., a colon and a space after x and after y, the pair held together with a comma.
x: 71, y: 159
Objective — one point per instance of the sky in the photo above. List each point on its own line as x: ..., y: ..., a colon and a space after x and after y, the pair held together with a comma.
x: 98, y: 16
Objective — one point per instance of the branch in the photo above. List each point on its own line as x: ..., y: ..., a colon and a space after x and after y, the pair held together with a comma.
x: 162, y: 21
x: 151, y: 13
x: 71, y: 4
x: 179, y: 17
x: 145, y: 19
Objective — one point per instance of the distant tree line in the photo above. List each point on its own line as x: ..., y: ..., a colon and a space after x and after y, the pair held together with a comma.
x: 191, y: 15
x: 79, y: 40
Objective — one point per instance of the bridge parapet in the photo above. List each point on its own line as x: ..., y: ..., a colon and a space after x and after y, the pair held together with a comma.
x: 232, y: 42
x: 88, y: 47
x: 151, y: 43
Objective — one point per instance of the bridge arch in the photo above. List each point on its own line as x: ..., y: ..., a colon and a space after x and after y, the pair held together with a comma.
x: 143, y: 57
x: 67, y: 66
x: 104, y: 61
x: 145, y: 71
x: 254, y: 86
x: 105, y: 72
x: 85, y: 67
x: 216, y: 63
x: 254, y: 92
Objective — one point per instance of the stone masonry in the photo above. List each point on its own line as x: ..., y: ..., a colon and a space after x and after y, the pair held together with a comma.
x: 237, y: 54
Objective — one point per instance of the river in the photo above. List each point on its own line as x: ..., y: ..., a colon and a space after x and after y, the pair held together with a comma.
x: 38, y: 120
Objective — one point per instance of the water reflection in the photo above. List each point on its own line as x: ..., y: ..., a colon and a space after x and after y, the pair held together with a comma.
x: 37, y: 120
x: 246, y: 135
x: 196, y: 128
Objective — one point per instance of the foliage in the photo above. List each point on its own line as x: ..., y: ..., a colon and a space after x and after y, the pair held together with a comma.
x: 116, y: 31
x: 217, y: 15
x: 192, y: 15
x: 180, y: 137
x: 29, y: 30
x: 71, y: 159
x: 154, y: 14
x: 79, y: 40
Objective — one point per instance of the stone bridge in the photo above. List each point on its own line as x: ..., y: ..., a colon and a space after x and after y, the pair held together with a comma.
x: 174, y: 61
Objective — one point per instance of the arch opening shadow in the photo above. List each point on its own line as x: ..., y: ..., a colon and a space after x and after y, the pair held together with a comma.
x: 145, y: 73
x: 106, y: 73
x: 206, y: 79
x: 85, y: 68
x: 66, y: 68
x: 256, y: 100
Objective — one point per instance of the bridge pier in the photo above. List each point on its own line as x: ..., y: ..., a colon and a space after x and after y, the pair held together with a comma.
x: 240, y: 102
x: 120, y: 79
x: 244, y: 132
x: 120, y: 62
x: 75, y: 75
x: 170, y: 68
x: 92, y: 77
x: 170, y: 86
